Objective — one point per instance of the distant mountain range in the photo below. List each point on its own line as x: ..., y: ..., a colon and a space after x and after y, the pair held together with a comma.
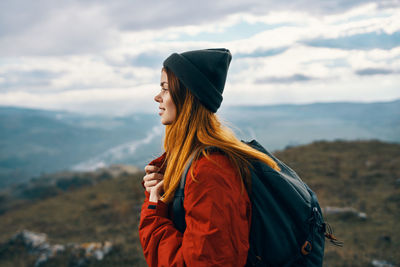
x: 278, y: 126
x: 33, y: 142
x: 37, y: 141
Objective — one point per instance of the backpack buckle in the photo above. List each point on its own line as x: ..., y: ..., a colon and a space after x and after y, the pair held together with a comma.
x: 306, y: 248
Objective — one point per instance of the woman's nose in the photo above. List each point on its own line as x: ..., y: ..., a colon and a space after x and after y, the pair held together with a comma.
x: 158, y: 98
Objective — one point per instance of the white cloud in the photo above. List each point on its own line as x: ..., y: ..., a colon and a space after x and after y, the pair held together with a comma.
x: 376, y: 58
x: 67, y: 31
x: 116, y: 101
x: 95, y: 54
x: 359, y: 89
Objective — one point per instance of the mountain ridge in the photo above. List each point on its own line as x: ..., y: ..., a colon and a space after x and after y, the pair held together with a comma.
x: 34, y: 141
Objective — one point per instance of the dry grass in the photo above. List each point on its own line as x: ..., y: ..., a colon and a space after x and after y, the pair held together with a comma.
x: 361, y: 174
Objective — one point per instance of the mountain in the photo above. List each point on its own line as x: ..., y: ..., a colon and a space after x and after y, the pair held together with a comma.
x: 278, y: 126
x: 33, y: 142
x: 357, y: 184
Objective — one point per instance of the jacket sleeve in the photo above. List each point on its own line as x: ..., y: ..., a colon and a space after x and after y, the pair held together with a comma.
x: 217, y: 214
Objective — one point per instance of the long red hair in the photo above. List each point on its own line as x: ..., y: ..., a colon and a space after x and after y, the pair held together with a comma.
x: 195, y: 128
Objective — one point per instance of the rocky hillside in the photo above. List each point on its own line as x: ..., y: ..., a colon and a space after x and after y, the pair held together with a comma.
x: 357, y: 183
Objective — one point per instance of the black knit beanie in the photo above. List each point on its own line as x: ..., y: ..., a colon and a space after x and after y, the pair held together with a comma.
x: 203, y: 72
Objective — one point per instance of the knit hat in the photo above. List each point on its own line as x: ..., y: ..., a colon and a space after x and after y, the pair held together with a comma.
x: 203, y: 72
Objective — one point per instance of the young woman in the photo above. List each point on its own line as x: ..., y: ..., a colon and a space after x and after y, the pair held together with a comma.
x: 216, y: 203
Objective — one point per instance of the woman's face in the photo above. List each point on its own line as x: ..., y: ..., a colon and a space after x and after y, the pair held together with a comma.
x: 166, y: 105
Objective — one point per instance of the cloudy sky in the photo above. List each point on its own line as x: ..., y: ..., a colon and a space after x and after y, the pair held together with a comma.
x: 105, y: 57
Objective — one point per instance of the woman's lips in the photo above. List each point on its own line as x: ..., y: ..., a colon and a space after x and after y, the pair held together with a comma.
x: 161, y: 111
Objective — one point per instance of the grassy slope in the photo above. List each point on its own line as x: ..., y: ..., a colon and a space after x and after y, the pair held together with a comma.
x: 107, y: 211
x: 358, y: 174
x: 361, y: 175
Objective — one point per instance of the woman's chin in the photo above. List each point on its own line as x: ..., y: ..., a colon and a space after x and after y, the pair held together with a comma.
x: 165, y: 122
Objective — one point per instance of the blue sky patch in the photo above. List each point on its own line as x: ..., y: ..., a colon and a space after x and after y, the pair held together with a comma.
x: 365, y: 41
x: 263, y: 53
x: 148, y: 59
x: 373, y: 71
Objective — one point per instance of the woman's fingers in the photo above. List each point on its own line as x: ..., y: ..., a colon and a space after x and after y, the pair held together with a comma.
x: 159, y: 187
x: 151, y: 168
x: 151, y: 183
x: 156, y: 191
x: 153, y: 176
x: 151, y: 180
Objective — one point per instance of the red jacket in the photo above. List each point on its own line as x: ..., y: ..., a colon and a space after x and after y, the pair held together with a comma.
x: 217, y: 215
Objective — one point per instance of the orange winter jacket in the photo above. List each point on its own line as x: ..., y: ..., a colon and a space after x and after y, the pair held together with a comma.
x: 217, y: 214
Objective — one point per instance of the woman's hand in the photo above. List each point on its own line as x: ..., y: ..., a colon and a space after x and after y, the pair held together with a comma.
x: 153, y: 179
x: 155, y: 192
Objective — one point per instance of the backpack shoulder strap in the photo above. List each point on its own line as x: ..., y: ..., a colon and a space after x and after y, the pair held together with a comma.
x: 178, y: 211
x: 185, y: 172
x: 188, y: 165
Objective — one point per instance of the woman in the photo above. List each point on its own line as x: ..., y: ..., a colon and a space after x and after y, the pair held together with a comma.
x: 217, y: 206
